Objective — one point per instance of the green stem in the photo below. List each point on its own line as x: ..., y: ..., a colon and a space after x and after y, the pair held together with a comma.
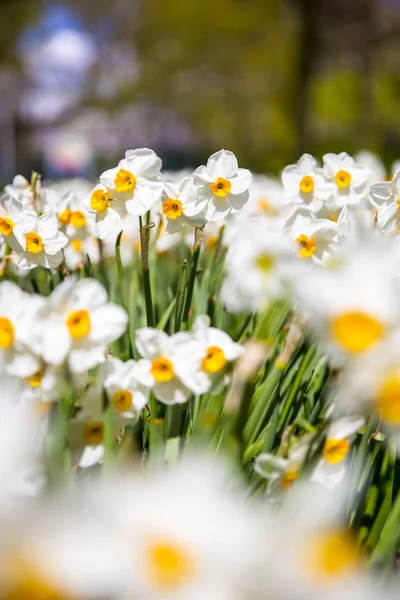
x: 144, y: 252
x: 124, y: 297
x: 198, y: 237
x: 180, y: 295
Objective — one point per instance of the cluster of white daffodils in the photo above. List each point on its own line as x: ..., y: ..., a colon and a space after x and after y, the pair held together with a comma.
x: 135, y: 187
x: 185, y: 363
x: 273, y: 340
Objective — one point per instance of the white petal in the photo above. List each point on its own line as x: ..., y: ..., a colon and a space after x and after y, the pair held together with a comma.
x: 47, y: 226
x: 81, y: 360
x: 88, y: 294
x: 241, y: 182
x: 222, y: 164
x: 56, y: 342
x: 108, y: 323
x: 55, y: 244
x: 152, y: 343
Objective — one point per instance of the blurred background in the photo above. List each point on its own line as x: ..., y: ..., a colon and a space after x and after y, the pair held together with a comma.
x: 83, y: 80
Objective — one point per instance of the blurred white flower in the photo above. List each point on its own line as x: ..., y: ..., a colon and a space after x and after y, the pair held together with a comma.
x: 305, y: 184
x: 314, y: 237
x: 331, y: 469
x: 217, y: 347
x: 385, y: 197
x: 17, y: 313
x: 127, y: 385
x: 353, y: 302
x: 259, y: 262
x: 349, y: 178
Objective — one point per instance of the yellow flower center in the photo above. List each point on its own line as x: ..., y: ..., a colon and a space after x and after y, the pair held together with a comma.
x: 356, y: 331
x: 307, y: 184
x: 6, y: 226
x: 343, y: 179
x: 264, y: 262
x: 6, y: 333
x: 122, y: 400
x: 76, y: 244
x: 214, y: 360
x: 124, y: 181
x: 65, y: 216
x: 168, y: 565
x: 172, y: 208
x: 221, y: 187
x: 332, y: 555
x: 265, y: 206
x: 335, y: 450
x: 42, y: 408
x: 78, y: 324
x: 389, y: 398
x: 93, y: 432
x: 162, y: 370
x: 34, y: 380
x: 78, y: 219
x: 99, y: 200
x: 307, y: 246
x: 289, y: 478
x: 211, y: 242
x: 34, y: 243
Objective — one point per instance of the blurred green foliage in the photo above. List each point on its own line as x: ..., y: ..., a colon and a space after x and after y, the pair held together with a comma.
x: 268, y: 79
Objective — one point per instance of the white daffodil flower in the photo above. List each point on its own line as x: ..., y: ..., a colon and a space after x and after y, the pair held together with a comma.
x: 77, y: 221
x: 385, y: 197
x: 332, y: 469
x: 322, y: 556
x: 187, y: 547
x: 259, y: 263
x: 372, y: 383
x: 77, y: 323
x: 12, y: 213
x: 86, y: 430
x: 21, y: 448
x: 79, y: 248
x: 305, y: 184
x: 45, y: 199
x: 281, y: 473
x: 61, y: 549
x: 349, y: 178
x: 176, y: 197
x: 17, y: 313
x: 314, y: 238
x: 217, y: 347
x: 127, y: 385
x: 41, y: 242
x: 107, y: 211
x: 43, y: 387
x: 174, y: 363
x: 223, y: 187
x: 353, y: 303
x: 266, y: 198
x: 137, y: 180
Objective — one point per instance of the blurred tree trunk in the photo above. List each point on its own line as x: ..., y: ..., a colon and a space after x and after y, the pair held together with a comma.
x: 309, y: 46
